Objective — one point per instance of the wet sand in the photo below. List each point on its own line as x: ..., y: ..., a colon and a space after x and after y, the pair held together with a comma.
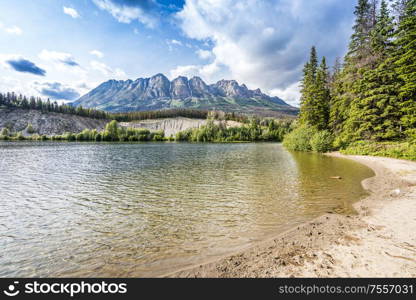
x: 378, y: 241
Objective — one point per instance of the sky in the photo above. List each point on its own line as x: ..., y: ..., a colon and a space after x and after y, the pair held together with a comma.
x: 61, y: 49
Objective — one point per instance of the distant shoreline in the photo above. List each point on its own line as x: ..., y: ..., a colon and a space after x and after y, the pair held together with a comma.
x: 377, y: 242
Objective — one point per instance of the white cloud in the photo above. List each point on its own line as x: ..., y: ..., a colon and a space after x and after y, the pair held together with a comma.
x: 176, y: 42
x: 71, y: 12
x: 16, y: 30
x: 6, y: 57
x: 116, y: 73
x: 188, y: 71
x: 210, y: 73
x: 58, y: 58
x: 290, y: 94
x: 97, y: 53
x: 20, y: 86
x: 265, y: 43
x: 172, y: 43
x: 56, y: 90
x: 204, y: 54
x: 127, y: 13
x: 64, y: 63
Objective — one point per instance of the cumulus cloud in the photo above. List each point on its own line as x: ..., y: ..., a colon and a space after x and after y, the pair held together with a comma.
x: 116, y: 73
x: 210, y: 72
x: 125, y: 11
x: 56, y: 90
x: 58, y: 57
x: 97, y: 53
x: 204, y: 54
x: 20, y: 64
x: 265, y: 43
x: 290, y: 94
x: 16, y: 30
x: 172, y: 43
x: 176, y: 42
x: 71, y: 12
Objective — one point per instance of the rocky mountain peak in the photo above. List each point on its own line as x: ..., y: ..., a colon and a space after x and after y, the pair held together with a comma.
x: 180, y: 88
x: 158, y: 87
x: 157, y: 92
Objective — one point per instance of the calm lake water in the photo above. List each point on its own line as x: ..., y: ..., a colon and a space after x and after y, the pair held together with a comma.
x: 108, y: 210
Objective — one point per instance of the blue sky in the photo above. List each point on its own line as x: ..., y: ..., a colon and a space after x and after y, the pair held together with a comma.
x: 61, y: 49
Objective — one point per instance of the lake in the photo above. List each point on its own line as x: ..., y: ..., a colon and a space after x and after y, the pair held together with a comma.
x: 147, y: 209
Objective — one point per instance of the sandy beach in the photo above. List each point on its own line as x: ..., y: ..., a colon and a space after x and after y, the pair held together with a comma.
x: 378, y: 241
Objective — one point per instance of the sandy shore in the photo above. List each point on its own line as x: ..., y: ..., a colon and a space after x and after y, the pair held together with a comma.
x: 380, y: 241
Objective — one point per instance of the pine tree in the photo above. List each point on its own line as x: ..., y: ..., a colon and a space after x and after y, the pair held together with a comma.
x: 314, y: 110
x: 337, y: 113
x: 358, y: 47
x: 399, y: 9
x: 405, y: 66
x: 322, y: 96
x: 376, y: 115
x: 350, y: 85
x: 307, y: 102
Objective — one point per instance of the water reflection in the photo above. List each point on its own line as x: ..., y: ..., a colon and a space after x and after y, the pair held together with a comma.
x: 70, y: 209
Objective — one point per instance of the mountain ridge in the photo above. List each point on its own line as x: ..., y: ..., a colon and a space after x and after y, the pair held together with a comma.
x: 158, y: 92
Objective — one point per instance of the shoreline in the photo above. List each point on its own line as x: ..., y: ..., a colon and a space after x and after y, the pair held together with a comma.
x: 378, y: 241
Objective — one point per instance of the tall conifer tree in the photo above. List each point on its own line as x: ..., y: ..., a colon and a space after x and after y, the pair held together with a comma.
x: 405, y: 63
x: 375, y: 115
x: 307, y: 102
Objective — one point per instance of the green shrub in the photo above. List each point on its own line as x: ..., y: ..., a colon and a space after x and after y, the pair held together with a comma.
x: 341, y: 142
x: 299, y: 139
x: 69, y: 136
x: 35, y: 137
x: 123, y: 137
x: 142, y: 137
x: 158, y: 138
x: 30, y: 129
x: 5, y: 132
x: 322, y: 141
x: 20, y: 136
x: 111, y: 131
x: 403, y: 150
x: 98, y: 137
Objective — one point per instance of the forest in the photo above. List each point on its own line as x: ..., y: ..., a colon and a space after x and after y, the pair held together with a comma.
x: 12, y: 100
x: 266, y: 130
x: 256, y: 130
x: 367, y: 103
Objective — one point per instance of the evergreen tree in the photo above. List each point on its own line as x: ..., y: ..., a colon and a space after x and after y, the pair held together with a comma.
x: 322, y: 96
x: 307, y: 102
x: 399, y: 9
x: 337, y: 111
x: 405, y: 66
x: 315, y: 99
x: 376, y: 115
x: 358, y: 47
x: 350, y: 86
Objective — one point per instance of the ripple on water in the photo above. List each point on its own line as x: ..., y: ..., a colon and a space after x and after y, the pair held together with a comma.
x: 86, y: 209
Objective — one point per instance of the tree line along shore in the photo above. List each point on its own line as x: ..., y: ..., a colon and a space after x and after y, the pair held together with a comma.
x: 266, y: 130
x: 13, y: 100
x: 367, y: 103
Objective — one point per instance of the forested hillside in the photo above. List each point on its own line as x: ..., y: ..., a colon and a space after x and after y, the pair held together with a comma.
x: 367, y: 103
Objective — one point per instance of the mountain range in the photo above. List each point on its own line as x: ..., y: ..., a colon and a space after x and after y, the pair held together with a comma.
x: 157, y: 92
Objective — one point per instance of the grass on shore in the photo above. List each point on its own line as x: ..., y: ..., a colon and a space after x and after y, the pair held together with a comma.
x: 401, y: 150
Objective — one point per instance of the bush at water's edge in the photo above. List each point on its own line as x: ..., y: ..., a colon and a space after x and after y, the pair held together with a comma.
x: 306, y: 138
